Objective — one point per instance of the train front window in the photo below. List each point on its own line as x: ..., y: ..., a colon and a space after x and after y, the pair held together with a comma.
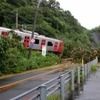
x: 36, y: 41
x: 50, y: 44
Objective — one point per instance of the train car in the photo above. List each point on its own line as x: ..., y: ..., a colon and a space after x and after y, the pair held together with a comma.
x: 52, y: 45
x: 4, y: 31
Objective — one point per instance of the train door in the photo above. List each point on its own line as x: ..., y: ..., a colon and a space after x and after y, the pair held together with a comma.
x: 4, y: 33
x: 26, y: 41
x: 55, y: 46
x: 60, y: 47
x: 43, y: 42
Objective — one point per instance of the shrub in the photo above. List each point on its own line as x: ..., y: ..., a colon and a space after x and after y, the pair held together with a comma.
x: 93, y: 68
x: 54, y: 97
x: 15, y: 57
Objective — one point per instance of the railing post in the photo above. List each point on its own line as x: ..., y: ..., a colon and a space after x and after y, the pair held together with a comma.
x: 83, y: 77
x: 78, y: 81
x: 85, y: 74
x: 72, y: 85
x: 62, y: 87
x: 96, y: 60
x: 43, y: 92
x: 89, y: 64
x: 87, y: 70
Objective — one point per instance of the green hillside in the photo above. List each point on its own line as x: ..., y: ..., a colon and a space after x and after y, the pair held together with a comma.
x: 51, y: 21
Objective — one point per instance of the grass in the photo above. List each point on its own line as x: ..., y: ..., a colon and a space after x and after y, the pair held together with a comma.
x: 54, y: 97
x: 93, y: 68
x: 68, y: 86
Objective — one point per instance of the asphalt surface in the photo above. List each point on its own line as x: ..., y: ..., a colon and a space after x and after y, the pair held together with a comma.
x: 91, y: 88
x: 19, y: 77
x: 26, y: 85
x: 14, y: 78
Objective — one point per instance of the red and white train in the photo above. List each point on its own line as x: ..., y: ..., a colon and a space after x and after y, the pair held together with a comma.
x: 52, y: 45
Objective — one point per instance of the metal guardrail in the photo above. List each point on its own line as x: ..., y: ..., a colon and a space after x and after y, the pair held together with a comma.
x: 58, y: 85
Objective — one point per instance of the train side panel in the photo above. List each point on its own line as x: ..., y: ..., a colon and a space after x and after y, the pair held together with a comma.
x: 52, y: 45
x: 38, y: 43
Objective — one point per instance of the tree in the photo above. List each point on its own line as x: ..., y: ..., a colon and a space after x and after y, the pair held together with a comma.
x: 17, y: 2
x: 53, y: 4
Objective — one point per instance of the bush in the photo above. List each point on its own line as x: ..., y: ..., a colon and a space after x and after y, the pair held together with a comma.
x: 54, y: 97
x: 15, y: 57
x: 16, y: 62
x: 93, y: 68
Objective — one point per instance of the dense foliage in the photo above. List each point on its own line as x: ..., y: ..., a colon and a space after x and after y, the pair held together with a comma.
x: 51, y: 21
x: 13, y: 57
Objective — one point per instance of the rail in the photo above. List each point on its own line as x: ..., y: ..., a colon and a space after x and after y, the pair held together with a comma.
x: 75, y: 78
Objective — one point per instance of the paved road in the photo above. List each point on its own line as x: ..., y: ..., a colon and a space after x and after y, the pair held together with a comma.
x: 91, y: 88
x: 27, y: 85
x: 7, y: 80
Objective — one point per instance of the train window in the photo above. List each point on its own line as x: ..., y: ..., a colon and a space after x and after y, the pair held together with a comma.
x: 36, y: 41
x: 50, y: 44
x: 26, y: 37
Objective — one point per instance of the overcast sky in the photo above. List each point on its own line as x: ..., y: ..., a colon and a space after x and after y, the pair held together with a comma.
x: 87, y: 12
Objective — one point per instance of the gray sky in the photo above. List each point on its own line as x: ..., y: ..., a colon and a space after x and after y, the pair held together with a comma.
x: 87, y: 12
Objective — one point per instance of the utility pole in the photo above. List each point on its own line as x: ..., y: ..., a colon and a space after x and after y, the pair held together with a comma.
x: 16, y: 19
x: 35, y: 16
